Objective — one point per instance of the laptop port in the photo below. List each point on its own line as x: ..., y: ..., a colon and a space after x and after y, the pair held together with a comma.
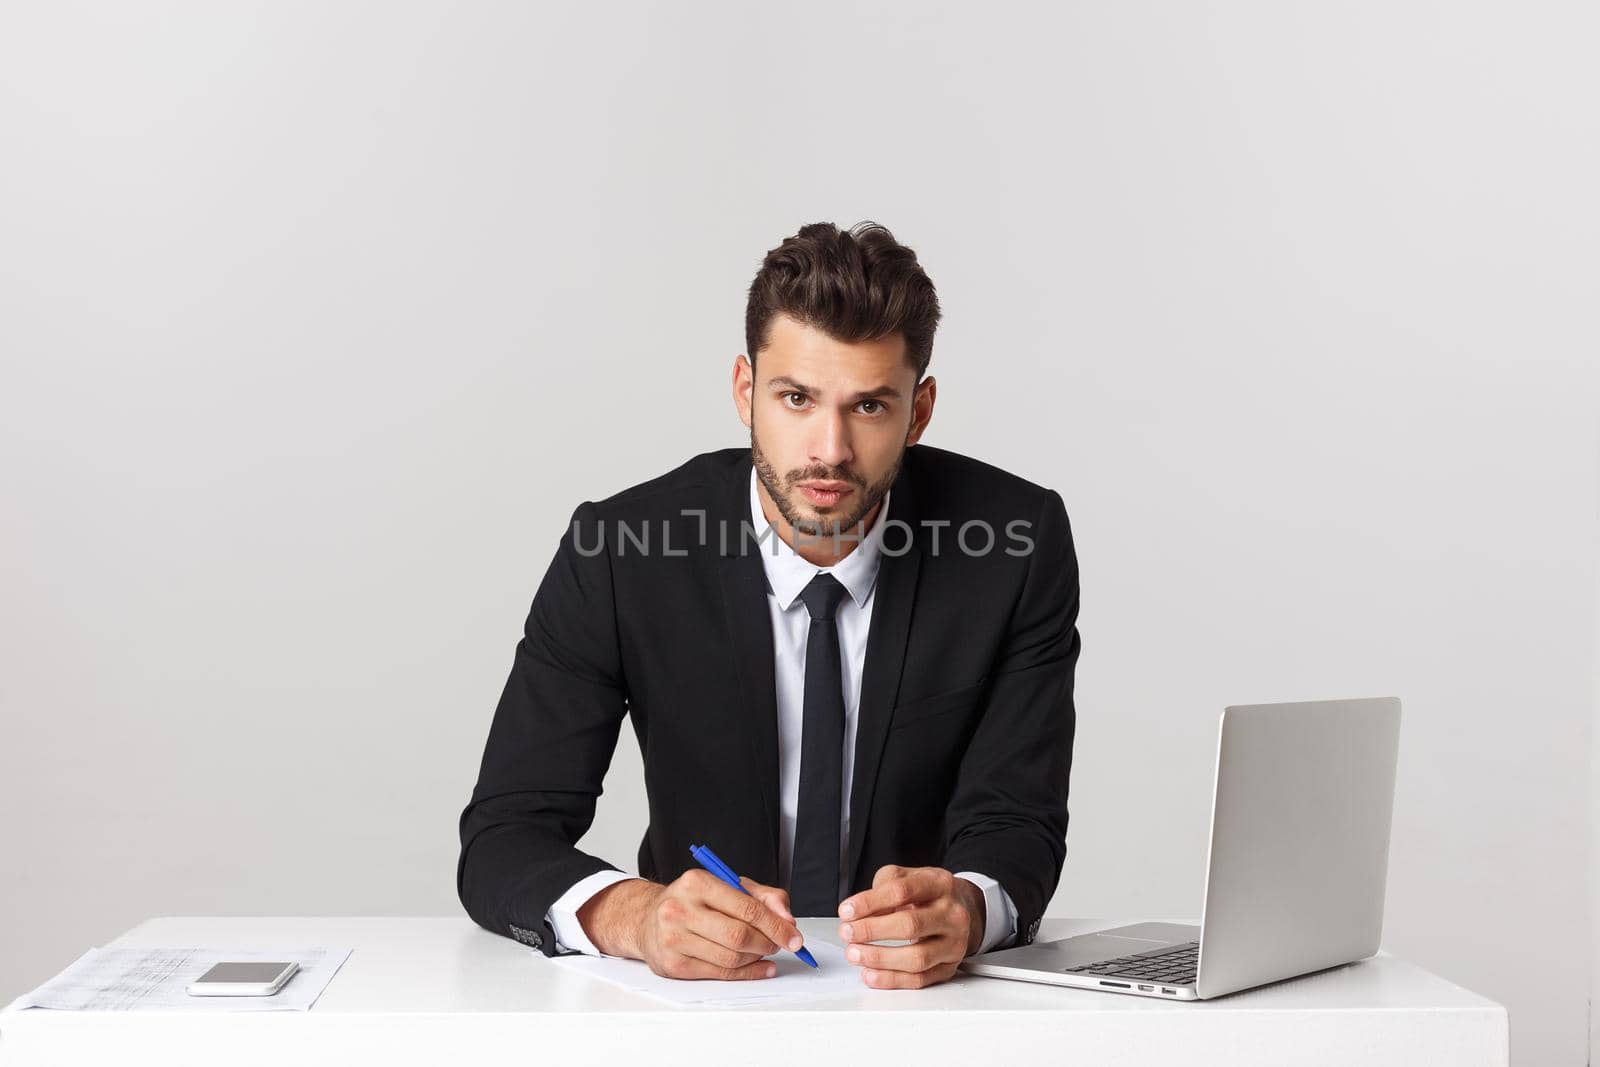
x: 1169, y: 992
x: 1147, y: 989
x: 1116, y: 985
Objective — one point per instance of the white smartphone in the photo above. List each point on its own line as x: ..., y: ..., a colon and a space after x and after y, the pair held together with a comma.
x: 242, y: 980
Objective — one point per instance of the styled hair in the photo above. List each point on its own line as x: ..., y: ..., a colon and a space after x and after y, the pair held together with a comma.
x: 860, y: 285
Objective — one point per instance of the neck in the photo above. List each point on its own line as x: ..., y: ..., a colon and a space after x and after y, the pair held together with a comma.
x: 816, y: 549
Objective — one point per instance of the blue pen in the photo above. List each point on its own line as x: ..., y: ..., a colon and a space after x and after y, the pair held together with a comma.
x: 708, y: 859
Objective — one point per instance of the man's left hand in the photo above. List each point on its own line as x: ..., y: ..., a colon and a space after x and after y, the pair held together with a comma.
x: 941, y: 915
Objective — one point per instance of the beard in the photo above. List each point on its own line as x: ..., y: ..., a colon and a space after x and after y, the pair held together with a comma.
x: 782, y: 490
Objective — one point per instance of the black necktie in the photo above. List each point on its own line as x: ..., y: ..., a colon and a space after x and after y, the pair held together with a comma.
x: 814, y: 872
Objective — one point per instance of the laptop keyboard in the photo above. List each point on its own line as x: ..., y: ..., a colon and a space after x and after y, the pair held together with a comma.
x: 1173, y: 966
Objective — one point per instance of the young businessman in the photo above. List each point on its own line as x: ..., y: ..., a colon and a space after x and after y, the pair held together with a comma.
x: 848, y: 659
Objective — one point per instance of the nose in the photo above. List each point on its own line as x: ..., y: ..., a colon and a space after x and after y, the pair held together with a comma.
x: 831, y: 444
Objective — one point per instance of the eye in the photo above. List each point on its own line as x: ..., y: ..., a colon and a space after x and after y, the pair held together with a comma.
x: 800, y: 399
x: 871, y: 407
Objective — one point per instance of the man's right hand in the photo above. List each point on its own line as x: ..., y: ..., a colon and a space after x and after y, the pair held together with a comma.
x: 697, y: 927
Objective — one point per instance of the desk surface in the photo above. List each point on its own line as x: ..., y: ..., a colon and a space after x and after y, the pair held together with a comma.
x: 416, y: 990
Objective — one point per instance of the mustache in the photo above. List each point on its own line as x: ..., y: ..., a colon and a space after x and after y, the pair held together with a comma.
x: 823, y: 474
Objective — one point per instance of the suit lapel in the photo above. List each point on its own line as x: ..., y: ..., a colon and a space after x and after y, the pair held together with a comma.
x: 893, y: 598
x: 744, y: 604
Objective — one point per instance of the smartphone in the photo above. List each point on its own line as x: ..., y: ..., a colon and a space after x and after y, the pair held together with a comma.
x: 242, y: 980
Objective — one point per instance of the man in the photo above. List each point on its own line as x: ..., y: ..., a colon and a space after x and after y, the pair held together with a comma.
x: 848, y: 659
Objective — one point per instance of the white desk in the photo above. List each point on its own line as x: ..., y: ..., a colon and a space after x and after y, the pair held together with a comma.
x: 441, y: 990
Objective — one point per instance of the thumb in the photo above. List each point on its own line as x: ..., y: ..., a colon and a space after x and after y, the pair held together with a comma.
x: 770, y: 895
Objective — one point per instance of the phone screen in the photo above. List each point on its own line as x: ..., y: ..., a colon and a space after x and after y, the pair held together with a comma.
x: 245, y: 972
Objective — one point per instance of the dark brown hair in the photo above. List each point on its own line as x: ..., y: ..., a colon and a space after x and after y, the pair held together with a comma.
x: 854, y: 286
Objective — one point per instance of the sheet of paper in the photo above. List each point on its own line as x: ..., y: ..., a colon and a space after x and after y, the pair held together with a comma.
x: 834, y: 976
x: 156, y: 979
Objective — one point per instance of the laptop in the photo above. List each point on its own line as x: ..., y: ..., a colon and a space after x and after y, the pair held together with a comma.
x: 1295, y: 875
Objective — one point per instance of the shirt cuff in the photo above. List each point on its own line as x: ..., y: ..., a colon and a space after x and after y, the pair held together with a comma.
x: 563, y: 914
x: 1000, y: 914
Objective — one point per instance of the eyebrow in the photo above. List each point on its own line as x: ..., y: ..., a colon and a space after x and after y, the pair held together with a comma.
x: 784, y: 382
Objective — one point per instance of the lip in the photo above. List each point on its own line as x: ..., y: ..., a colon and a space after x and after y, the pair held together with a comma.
x: 824, y: 494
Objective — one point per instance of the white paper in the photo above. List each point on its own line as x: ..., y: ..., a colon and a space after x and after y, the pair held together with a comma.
x: 834, y: 976
x: 156, y: 979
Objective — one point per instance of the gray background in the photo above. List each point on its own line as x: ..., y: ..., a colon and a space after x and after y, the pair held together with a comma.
x: 317, y: 320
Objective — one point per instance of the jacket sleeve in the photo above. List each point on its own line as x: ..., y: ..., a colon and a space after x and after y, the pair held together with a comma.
x: 550, y: 744
x: 1008, y: 814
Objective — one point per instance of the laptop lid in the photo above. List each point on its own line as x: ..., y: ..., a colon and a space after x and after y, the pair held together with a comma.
x: 1299, y: 840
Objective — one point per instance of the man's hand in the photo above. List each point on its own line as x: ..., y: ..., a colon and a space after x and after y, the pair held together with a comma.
x: 696, y: 927
x: 940, y: 914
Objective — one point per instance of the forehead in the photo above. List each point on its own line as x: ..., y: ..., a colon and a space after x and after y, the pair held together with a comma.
x: 806, y: 354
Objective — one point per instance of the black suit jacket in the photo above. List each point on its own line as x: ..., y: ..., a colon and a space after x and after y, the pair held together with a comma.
x: 655, y: 608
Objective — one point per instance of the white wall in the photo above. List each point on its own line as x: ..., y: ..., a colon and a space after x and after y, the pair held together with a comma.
x: 316, y: 321
x: 1594, y: 806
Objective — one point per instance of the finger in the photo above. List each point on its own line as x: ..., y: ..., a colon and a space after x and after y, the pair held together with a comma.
x: 906, y: 923
x: 696, y: 968
x: 900, y: 980
x: 729, y: 931
x: 915, y: 958
x: 687, y: 943
x: 767, y: 930
x: 895, y: 887
x: 889, y: 893
x: 770, y: 895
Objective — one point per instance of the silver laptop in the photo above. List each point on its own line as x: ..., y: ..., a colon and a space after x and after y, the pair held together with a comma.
x: 1295, y: 877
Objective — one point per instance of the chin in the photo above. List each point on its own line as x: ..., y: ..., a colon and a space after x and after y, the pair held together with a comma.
x: 806, y: 510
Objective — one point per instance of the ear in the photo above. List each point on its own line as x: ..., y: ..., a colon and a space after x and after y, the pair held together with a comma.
x: 922, y: 399
x: 744, y: 383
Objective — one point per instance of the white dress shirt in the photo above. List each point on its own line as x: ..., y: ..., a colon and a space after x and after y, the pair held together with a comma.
x: 787, y: 574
